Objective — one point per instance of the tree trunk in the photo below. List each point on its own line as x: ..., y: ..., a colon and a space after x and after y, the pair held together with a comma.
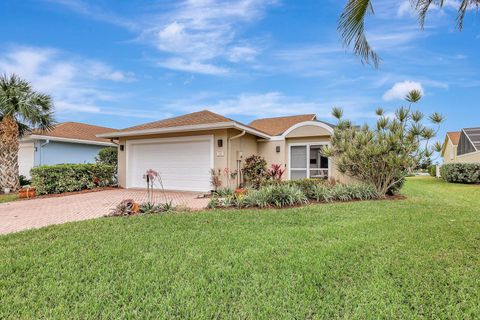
x: 9, y: 154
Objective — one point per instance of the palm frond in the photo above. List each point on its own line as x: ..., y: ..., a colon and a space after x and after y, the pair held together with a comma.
x: 352, y: 29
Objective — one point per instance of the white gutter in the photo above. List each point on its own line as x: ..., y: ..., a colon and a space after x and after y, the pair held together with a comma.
x: 197, y: 127
x: 40, y: 137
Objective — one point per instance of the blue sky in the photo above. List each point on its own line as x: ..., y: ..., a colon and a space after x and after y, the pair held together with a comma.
x: 121, y: 63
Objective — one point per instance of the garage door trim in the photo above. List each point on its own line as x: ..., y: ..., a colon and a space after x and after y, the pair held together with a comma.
x: 130, y: 143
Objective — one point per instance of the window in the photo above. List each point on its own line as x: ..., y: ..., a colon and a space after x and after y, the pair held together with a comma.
x: 306, y: 161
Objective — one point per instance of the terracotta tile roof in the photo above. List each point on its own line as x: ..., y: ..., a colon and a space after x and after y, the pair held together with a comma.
x: 454, y: 137
x: 76, y: 130
x: 195, y: 118
x: 278, y: 125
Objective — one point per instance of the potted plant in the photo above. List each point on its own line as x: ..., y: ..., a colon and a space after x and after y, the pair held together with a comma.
x: 27, y: 192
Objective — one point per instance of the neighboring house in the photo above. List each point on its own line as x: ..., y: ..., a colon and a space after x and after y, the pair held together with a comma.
x: 462, y: 146
x: 184, y: 149
x: 68, y: 142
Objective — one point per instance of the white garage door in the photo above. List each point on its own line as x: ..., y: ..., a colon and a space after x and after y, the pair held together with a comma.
x: 183, y: 163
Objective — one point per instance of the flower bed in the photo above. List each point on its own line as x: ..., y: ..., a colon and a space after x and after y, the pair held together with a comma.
x: 291, y: 193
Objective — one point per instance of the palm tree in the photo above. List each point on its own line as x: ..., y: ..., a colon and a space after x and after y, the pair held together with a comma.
x: 21, y: 109
x: 352, y: 23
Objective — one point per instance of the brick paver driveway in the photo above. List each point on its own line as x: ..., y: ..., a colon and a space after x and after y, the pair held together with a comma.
x: 40, y: 212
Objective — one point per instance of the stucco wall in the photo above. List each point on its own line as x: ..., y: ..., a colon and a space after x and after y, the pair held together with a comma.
x: 308, y: 131
x: 450, y: 154
x: 473, y: 157
x: 62, y: 152
x: 26, y: 158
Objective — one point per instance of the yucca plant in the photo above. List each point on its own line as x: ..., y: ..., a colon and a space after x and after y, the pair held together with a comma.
x: 384, y: 154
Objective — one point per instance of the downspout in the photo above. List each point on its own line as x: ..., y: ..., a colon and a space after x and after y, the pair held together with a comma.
x: 41, y: 147
x: 228, y: 155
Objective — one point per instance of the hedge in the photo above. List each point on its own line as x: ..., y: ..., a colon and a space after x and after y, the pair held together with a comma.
x: 71, y: 177
x: 461, y: 172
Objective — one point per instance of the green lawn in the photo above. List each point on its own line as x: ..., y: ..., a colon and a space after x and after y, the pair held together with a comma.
x: 414, y: 258
x: 8, y: 197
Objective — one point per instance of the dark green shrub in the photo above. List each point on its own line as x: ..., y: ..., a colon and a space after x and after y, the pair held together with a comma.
x: 71, y: 177
x: 23, y: 181
x: 255, y: 171
x: 108, y: 156
x: 461, y: 172
x: 432, y: 170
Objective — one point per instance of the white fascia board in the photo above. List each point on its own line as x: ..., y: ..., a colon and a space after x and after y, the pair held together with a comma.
x: 69, y: 140
x: 198, y: 127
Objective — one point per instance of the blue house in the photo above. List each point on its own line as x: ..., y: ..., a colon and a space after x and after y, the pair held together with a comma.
x: 68, y: 142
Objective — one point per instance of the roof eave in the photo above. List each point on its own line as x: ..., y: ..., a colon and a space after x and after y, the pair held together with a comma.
x: 68, y: 140
x: 188, y: 128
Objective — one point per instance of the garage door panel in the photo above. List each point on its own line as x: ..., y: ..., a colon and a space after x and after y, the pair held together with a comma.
x: 183, y: 165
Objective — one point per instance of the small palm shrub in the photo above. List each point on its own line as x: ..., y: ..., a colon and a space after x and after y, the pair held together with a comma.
x: 461, y: 172
x: 432, y: 170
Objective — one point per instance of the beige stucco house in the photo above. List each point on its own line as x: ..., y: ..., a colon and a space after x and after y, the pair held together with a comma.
x: 462, y: 146
x: 183, y: 149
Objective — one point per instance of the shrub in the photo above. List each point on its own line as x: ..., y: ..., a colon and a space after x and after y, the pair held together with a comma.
x: 276, y: 172
x: 224, y: 192
x: 345, y: 192
x: 432, y: 170
x: 108, y: 156
x: 255, y: 171
x: 281, y: 195
x: 461, y: 172
x: 151, y: 208
x: 306, y: 185
x: 383, y: 154
x: 71, y: 177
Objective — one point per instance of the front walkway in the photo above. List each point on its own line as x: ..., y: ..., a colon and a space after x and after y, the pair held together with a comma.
x: 36, y: 213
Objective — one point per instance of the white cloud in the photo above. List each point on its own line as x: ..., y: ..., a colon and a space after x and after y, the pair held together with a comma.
x: 192, y: 66
x: 71, y: 81
x: 200, y: 33
x: 405, y: 8
x: 192, y: 35
x: 401, y: 89
x: 271, y: 104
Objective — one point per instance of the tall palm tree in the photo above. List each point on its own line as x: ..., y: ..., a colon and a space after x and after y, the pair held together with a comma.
x: 352, y: 23
x: 21, y: 109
